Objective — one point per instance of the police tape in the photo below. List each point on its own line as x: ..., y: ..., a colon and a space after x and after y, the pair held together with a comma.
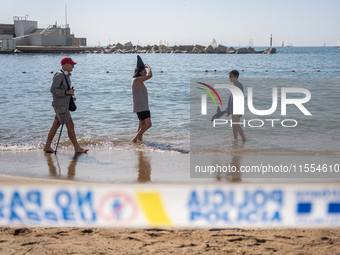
x: 175, y: 206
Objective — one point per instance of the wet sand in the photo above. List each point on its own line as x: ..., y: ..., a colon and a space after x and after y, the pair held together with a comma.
x: 112, y: 167
x: 140, y: 166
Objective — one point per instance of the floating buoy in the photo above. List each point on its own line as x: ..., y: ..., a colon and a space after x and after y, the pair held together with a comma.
x: 51, y: 71
x: 214, y: 70
x: 206, y: 71
x: 293, y: 71
x: 107, y: 71
x: 23, y: 72
x: 266, y: 70
x: 161, y: 71
x: 318, y: 70
x: 242, y: 70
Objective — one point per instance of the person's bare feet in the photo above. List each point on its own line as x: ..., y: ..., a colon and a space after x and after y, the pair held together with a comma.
x: 136, y: 141
x: 48, y: 150
x: 81, y: 150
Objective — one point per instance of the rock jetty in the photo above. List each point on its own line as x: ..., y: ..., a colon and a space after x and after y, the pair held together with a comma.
x: 129, y: 48
x: 220, y: 49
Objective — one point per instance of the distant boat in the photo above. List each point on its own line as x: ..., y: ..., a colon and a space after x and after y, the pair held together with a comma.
x: 251, y: 43
x: 324, y: 44
x: 289, y: 45
x: 338, y: 44
x: 214, y: 43
x: 283, y: 43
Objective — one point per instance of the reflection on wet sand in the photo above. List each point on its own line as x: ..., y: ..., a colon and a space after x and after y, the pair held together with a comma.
x: 71, y: 168
x: 234, y: 163
x: 143, y: 167
x: 50, y: 164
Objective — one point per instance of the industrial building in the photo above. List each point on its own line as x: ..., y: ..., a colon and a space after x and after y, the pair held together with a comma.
x: 7, y: 31
x: 26, y: 33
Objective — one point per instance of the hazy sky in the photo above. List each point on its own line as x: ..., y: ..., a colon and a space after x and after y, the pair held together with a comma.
x: 231, y: 23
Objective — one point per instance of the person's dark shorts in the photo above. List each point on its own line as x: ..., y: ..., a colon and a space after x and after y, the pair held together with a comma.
x: 143, y: 115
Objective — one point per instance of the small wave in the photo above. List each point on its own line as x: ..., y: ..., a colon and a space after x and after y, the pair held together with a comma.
x: 165, y: 147
x: 20, y: 146
x: 99, y: 144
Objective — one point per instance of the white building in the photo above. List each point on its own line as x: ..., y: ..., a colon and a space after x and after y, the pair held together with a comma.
x: 24, y: 26
x: 27, y: 33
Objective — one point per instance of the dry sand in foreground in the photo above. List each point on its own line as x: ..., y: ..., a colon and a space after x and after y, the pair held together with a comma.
x: 166, y: 241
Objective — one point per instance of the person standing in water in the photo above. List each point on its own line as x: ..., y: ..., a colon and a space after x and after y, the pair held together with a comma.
x: 140, y: 98
x: 62, y: 93
x: 233, y: 77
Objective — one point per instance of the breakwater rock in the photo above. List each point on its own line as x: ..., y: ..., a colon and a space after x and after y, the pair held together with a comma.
x: 220, y: 49
x: 128, y: 48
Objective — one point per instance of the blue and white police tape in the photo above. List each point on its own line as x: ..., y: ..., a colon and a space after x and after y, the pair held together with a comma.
x: 246, y: 206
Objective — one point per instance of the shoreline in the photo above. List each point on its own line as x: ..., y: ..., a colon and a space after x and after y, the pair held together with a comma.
x: 163, y: 167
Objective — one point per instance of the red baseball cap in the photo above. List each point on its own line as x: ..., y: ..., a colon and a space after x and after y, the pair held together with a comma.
x: 67, y: 60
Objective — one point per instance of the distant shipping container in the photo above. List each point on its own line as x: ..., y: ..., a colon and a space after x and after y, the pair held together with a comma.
x: 79, y: 41
x: 8, y: 44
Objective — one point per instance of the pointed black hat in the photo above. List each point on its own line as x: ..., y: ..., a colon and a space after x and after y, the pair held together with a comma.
x: 140, y: 63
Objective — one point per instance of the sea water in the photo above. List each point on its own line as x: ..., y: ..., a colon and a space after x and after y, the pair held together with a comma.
x: 104, y: 119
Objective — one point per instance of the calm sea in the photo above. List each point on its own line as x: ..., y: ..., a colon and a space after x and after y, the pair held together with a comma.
x: 104, y: 118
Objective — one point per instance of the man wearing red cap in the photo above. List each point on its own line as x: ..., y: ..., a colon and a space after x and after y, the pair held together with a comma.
x: 62, y: 93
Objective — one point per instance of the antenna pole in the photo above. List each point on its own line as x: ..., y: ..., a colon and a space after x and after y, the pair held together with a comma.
x: 271, y: 40
x: 66, y: 15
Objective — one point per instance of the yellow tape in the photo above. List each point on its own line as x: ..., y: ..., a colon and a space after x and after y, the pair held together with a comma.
x: 153, y: 209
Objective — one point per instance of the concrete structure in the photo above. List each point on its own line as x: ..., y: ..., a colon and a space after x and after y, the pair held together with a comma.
x: 24, y: 26
x: 7, y: 31
x: 58, y: 49
x: 53, y: 35
x: 8, y: 44
x: 27, y: 33
x: 79, y: 42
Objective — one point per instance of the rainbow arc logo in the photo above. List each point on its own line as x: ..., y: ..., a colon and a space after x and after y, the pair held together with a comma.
x: 209, y: 93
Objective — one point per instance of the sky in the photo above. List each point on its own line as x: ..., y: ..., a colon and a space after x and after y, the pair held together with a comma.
x: 188, y: 22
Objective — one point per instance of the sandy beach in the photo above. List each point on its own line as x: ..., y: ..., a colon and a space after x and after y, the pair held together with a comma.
x: 168, y: 241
